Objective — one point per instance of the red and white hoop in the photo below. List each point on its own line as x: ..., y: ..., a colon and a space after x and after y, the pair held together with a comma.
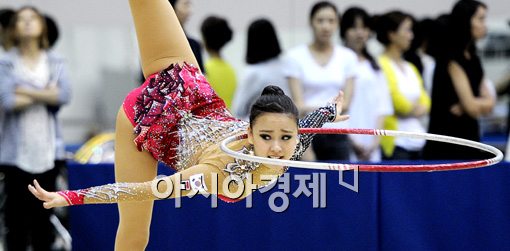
x: 375, y: 168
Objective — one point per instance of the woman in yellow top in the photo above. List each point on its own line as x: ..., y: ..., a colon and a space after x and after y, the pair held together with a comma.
x: 221, y: 75
x: 410, y: 100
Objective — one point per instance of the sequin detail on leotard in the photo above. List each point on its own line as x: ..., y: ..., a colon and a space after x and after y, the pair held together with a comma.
x: 196, y: 134
x: 169, y: 96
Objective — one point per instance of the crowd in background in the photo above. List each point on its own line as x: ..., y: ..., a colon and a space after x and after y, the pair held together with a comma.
x: 429, y: 78
x: 428, y: 73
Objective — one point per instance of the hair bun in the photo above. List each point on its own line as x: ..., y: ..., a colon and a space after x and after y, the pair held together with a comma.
x: 272, y: 90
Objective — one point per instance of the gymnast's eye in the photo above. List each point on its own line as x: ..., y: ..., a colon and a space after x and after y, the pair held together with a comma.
x: 286, y: 137
x: 265, y: 136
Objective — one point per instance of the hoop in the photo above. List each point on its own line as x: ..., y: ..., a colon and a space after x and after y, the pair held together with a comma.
x: 375, y: 168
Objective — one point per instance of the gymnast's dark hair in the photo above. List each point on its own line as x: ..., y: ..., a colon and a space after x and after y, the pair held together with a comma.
x: 273, y: 100
x: 216, y: 32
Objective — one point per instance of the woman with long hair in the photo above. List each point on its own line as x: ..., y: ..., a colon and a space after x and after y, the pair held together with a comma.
x: 264, y: 65
x: 371, y: 101
x: 460, y: 93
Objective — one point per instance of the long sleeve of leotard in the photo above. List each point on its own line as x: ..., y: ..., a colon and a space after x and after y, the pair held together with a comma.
x: 110, y: 193
x: 315, y: 119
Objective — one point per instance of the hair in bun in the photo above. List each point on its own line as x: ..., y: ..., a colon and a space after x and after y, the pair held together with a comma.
x: 273, y: 100
x: 272, y: 90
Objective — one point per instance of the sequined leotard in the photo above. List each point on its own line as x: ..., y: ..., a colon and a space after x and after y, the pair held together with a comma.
x: 179, y: 119
x: 177, y: 115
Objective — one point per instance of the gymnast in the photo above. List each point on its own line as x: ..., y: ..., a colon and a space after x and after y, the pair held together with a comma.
x: 176, y: 118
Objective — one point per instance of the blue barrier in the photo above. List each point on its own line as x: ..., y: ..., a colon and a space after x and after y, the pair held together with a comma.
x: 455, y: 210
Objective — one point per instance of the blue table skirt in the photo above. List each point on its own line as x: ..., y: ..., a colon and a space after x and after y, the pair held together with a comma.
x: 454, y: 210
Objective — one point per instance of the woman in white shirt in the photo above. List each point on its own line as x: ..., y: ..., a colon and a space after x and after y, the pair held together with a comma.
x: 319, y: 70
x: 371, y: 100
x: 265, y: 66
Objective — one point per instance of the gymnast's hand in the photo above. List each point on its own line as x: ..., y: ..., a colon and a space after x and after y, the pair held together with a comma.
x: 51, y: 199
x: 338, y: 101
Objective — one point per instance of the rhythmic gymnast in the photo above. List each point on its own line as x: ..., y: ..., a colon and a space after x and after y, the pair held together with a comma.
x: 176, y: 118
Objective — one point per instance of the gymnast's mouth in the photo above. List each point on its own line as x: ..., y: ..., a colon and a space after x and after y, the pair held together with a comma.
x: 275, y: 157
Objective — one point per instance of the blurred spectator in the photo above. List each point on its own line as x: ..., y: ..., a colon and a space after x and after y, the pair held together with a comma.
x: 183, y: 10
x: 33, y: 86
x: 60, y: 156
x: 503, y: 89
x: 5, y: 17
x: 410, y: 100
x: 319, y: 70
x: 460, y: 93
x: 52, y: 27
x: 265, y: 66
x: 216, y: 33
x: 417, y: 54
x: 371, y: 100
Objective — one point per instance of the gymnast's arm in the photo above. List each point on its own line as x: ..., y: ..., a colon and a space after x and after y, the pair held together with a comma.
x: 134, y: 190
x: 316, y: 119
x: 176, y: 185
x: 161, y: 39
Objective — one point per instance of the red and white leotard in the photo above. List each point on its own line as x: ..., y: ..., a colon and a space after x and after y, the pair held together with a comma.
x: 157, y: 107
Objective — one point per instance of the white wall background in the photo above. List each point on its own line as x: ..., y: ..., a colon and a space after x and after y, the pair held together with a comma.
x: 97, y: 38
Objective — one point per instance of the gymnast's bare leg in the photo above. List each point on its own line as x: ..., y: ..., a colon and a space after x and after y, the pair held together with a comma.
x: 162, y: 42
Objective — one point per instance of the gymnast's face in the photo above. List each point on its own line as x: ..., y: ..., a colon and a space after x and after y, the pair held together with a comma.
x: 274, y: 135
